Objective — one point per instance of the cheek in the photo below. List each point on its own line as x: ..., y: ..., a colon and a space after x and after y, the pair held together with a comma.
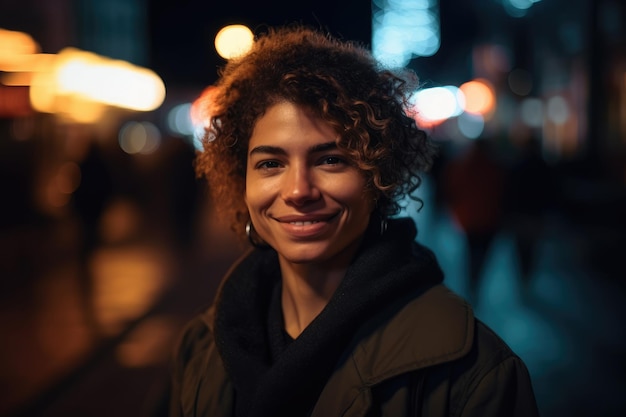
x: 356, y: 195
x: 257, y: 195
x: 250, y: 199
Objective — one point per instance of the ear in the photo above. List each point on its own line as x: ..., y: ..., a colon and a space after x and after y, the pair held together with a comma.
x: 373, y: 197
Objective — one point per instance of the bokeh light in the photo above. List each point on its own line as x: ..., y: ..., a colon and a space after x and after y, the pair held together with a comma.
x: 404, y: 29
x: 233, y: 41
x: 558, y: 110
x: 432, y: 105
x: 471, y: 125
x: 15, y: 45
x: 531, y: 110
x: 179, y: 120
x: 479, y: 97
x: 139, y: 137
x: 202, y: 111
x: 79, y: 83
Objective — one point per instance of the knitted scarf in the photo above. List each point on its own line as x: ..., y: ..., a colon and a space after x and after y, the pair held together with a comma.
x: 384, y: 270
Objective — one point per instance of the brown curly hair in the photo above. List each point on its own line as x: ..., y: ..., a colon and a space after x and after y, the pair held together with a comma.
x: 341, y: 83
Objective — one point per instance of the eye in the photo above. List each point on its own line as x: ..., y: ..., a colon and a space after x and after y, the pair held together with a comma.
x: 332, y: 160
x: 268, y: 165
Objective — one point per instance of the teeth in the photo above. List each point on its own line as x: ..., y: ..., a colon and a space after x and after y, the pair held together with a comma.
x: 304, y: 223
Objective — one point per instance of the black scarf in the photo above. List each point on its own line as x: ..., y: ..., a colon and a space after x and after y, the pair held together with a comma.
x: 384, y: 270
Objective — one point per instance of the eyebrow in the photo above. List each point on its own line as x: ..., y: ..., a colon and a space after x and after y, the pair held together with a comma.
x: 275, y: 150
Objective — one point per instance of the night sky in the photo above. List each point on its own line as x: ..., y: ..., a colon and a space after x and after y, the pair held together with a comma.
x: 181, y: 33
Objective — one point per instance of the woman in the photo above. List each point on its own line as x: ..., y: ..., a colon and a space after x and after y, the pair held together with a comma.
x: 335, y: 310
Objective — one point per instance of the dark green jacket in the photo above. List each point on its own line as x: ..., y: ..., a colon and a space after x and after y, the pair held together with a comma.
x: 392, y: 341
x: 432, y: 358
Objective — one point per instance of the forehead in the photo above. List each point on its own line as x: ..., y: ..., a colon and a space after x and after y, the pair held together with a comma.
x: 286, y: 122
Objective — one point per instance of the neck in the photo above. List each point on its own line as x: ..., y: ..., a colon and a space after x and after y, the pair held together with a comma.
x: 306, y: 290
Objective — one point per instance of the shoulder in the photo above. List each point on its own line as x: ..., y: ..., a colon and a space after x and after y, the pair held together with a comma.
x: 195, y: 337
x: 491, y: 378
x: 490, y: 346
x: 489, y: 351
x: 433, y: 328
x: 490, y: 356
x: 199, y: 380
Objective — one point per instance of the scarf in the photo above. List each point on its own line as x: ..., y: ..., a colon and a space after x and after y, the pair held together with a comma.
x: 384, y: 270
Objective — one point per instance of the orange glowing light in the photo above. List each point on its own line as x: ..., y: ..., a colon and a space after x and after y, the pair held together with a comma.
x: 80, y: 84
x: 204, y: 107
x: 15, y: 45
x: 479, y: 97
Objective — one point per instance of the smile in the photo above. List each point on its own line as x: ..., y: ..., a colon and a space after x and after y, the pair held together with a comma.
x: 306, y: 219
x: 304, y: 223
x: 307, y: 226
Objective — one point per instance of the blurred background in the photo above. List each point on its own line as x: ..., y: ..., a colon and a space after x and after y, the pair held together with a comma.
x: 109, y: 243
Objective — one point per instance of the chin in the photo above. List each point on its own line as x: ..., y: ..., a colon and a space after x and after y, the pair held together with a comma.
x: 303, y: 256
x: 315, y: 253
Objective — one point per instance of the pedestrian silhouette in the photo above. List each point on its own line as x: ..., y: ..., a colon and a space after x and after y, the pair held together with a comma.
x: 473, y: 187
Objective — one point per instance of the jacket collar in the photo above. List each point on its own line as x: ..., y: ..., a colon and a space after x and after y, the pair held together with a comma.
x: 434, y: 328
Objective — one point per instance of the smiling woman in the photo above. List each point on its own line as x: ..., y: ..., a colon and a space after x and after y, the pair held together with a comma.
x: 335, y: 309
x: 305, y: 197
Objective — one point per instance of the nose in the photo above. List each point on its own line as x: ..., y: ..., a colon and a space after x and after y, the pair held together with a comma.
x: 299, y: 186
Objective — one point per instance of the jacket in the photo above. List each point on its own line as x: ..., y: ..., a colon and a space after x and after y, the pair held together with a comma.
x: 422, y: 354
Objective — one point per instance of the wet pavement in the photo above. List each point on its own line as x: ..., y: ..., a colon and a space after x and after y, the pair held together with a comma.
x: 93, y: 337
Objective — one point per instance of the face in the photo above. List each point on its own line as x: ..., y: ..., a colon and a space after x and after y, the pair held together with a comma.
x: 305, y: 198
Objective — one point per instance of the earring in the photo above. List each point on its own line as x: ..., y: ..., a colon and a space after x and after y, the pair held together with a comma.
x: 253, y: 241
x: 248, y: 229
x: 383, y: 226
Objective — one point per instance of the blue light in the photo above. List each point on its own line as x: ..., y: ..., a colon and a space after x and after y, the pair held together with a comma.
x: 404, y: 29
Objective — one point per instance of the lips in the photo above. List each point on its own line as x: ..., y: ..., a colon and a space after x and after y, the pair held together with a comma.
x: 304, y: 219
x: 307, y: 223
x: 306, y: 226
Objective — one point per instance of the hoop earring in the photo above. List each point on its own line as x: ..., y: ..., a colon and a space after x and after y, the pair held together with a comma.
x: 383, y: 225
x: 383, y: 219
x: 254, y: 242
x: 248, y: 229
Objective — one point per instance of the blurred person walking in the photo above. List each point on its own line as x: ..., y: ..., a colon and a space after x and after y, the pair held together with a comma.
x: 473, y: 187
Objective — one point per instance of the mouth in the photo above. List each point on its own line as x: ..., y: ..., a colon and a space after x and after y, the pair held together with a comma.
x: 306, y: 220
x: 304, y: 223
x: 307, y: 226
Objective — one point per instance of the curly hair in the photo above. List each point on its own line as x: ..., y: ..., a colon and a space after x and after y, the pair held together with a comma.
x: 340, y: 81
